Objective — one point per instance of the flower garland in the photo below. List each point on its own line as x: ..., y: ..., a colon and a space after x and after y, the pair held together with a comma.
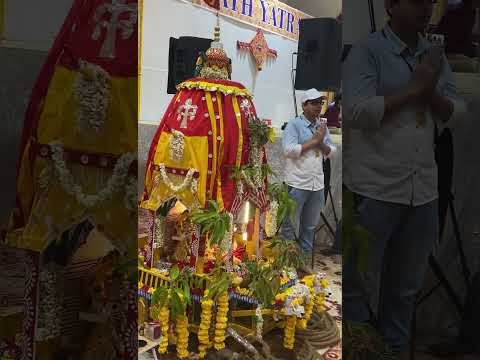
x: 205, y: 322
x: 249, y: 182
x: 182, y: 336
x: 289, y: 334
x: 91, y: 90
x: 221, y: 321
x: 295, y: 297
x: 309, y: 302
x: 213, y: 87
x: 45, y: 177
x: 271, y: 219
x: 187, y: 182
x: 49, y: 320
x: 114, y: 184
x: 177, y: 146
x: 159, y: 240
x: 164, y: 322
x: 258, y: 314
x: 318, y: 284
x: 131, y: 194
x: 227, y: 243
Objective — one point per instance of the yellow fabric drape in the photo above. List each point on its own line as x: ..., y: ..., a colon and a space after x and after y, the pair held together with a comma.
x: 50, y: 210
x: 194, y: 146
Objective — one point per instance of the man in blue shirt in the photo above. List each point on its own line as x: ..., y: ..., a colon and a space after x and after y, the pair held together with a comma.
x: 305, y: 142
x: 398, y: 90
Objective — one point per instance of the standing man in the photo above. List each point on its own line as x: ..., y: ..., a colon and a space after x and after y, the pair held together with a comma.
x: 305, y: 142
x: 398, y: 91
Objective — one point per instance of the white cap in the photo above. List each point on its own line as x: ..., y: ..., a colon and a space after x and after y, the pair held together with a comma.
x: 311, y: 94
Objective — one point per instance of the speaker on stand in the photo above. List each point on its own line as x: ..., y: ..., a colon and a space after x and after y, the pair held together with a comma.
x: 182, y: 58
x: 319, y: 55
x: 318, y: 66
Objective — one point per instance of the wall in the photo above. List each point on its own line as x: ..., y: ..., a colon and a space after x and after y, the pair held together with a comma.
x: 21, y: 70
x: 271, y: 87
x: 356, y: 19
x: 44, y: 19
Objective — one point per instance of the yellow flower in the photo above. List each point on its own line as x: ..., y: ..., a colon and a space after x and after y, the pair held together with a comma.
x: 271, y: 135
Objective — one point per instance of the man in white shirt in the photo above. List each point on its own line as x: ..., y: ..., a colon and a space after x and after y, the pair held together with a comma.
x: 305, y: 142
x: 398, y: 91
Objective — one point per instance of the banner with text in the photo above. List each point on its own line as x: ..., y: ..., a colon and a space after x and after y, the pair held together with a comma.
x: 269, y: 15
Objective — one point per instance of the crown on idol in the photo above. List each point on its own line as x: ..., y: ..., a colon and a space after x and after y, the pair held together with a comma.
x: 214, y: 63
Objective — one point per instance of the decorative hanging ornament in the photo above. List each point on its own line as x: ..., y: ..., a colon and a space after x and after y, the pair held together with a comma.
x: 213, y: 3
x: 259, y: 49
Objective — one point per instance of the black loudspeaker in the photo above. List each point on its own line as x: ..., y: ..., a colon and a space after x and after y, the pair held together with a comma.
x: 319, y: 55
x: 183, y: 54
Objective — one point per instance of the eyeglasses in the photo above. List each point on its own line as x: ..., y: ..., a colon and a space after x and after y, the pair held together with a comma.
x: 315, y: 102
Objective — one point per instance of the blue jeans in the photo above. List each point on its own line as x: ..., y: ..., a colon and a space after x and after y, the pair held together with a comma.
x: 409, y: 233
x: 307, y: 216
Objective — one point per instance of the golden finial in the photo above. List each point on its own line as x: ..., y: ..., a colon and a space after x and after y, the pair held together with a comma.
x: 216, y: 34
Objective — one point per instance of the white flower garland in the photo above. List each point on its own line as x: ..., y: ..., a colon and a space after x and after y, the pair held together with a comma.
x: 249, y: 181
x: 299, y: 290
x: 50, y: 308
x: 159, y: 240
x: 177, y: 146
x: 91, y: 89
x: 131, y: 194
x: 271, y: 219
x: 187, y: 182
x: 258, y: 313
x: 227, y: 243
x: 45, y: 177
x: 114, y: 184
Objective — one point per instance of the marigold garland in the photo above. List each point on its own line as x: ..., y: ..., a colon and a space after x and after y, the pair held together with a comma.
x: 221, y: 322
x: 182, y: 336
x: 164, y: 323
x: 289, y: 338
x: 205, y: 322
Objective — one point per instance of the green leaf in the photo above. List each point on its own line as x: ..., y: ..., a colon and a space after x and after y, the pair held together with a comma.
x: 178, y: 305
x: 160, y: 296
x: 186, y: 293
x: 174, y: 272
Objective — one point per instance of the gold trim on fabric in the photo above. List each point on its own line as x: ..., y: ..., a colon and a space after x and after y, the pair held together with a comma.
x: 220, y: 154
x: 213, y: 122
x: 208, y: 86
x: 238, y: 116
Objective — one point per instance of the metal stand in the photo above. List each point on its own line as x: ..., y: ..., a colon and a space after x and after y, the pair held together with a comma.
x: 293, y: 85
x: 447, y: 154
